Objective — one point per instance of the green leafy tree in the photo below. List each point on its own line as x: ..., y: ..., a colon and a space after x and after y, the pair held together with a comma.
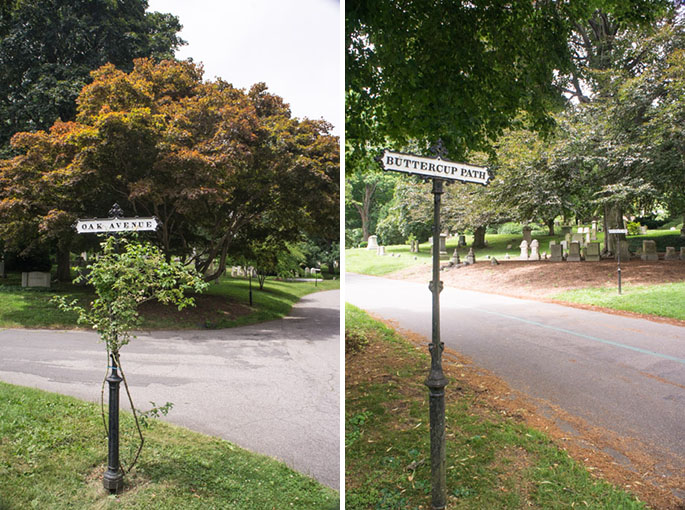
x: 212, y: 162
x: 127, y: 274
x: 49, y: 47
x: 365, y: 191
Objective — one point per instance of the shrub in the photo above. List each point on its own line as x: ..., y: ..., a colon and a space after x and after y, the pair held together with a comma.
x: 633, y: 228
x: 510, y: 228
x: 355, y: 340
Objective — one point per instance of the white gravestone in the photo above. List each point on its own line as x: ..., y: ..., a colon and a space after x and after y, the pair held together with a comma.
x: 372, y: 243
x: 534, y: 250
x: 524, y: 250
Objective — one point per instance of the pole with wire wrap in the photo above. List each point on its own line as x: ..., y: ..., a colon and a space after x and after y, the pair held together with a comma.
x: 113, y: 479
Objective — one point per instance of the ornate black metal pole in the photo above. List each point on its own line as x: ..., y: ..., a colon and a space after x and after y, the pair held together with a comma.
x: 618, y: 248
x: 113, y: 480
x: 436, y: 381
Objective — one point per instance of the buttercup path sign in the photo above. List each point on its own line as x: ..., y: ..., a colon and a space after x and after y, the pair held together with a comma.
x: 438, y: 170
x: 435, y: 168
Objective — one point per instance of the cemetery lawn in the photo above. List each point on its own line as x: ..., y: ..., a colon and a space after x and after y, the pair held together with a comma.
x: 495, y: 459
x: 223, y: 305
x: 53, y: 454
x: 662, y: 300
x: 652, y: 290
x: 363, y: 261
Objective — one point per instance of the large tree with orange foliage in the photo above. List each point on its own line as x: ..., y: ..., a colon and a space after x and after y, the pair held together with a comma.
x: 211, y: 161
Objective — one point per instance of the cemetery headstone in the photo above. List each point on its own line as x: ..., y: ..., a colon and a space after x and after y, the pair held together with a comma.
x: 623, y: 248
x: 566, y: 230
x: 35, y: 279
x: 534, y: 250
x: 494, y: 262
x: 372, y: 243
x: 574, y: 252
x: 578, y: 238
x: 470, y: 257
x: 381, y: 251
x: 649, y: 250
x: 524, y: 250
x: 592, y: 252
x: 455, y: 257
x: 443, y: 247
x: 670, y: 253
x: 556, y: 255
x: 462, y: 240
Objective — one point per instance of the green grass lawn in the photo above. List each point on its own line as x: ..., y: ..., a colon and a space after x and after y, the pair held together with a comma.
x: 664, y: 300
x: 225, y: 304
x: 53, y: 454
x: 493, y: 462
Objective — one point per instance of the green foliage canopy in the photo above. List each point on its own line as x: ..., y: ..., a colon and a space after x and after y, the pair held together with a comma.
x: 49, y: 47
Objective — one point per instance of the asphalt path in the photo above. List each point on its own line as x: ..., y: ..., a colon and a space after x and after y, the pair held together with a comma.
x: 271, y: 388
x: 622, y: 374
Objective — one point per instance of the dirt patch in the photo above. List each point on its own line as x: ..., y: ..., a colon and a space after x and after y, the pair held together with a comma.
x: 625, y: 462
x: 540, y: 280
x: 208, y: 310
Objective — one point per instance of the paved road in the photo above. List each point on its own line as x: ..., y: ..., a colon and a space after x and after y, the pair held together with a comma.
x: 622, y: 374
x: 272, y: 388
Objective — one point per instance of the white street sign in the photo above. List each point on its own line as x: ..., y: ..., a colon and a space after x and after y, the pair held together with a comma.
x: 100, y: 225
x: 618, y: 231
x: 434, y: 167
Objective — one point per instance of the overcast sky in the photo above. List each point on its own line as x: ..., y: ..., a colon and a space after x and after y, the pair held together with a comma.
x: 291, y: 45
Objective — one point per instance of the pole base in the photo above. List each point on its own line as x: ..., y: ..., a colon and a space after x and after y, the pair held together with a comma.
x: 113, y: 481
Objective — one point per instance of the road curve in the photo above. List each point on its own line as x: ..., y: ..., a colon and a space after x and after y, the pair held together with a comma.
x: 272, y: 388
x: 622, y: 374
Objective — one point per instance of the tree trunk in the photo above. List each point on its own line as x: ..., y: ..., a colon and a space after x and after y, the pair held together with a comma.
x: 479, y: 238
x: 63, y: 264
x: 613, y: 218
x: 682, y: 230
x: 550, y: 226
x: 365, y: 210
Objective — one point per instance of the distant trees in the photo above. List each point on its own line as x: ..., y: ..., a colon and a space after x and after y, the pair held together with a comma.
x: 49, y: 47
x: 212, y: 162
x: 612, y: 145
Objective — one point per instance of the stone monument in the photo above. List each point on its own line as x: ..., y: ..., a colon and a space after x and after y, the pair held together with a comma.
x: 592, y: 251
x: 649, y: 250
x: 574, y: 252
